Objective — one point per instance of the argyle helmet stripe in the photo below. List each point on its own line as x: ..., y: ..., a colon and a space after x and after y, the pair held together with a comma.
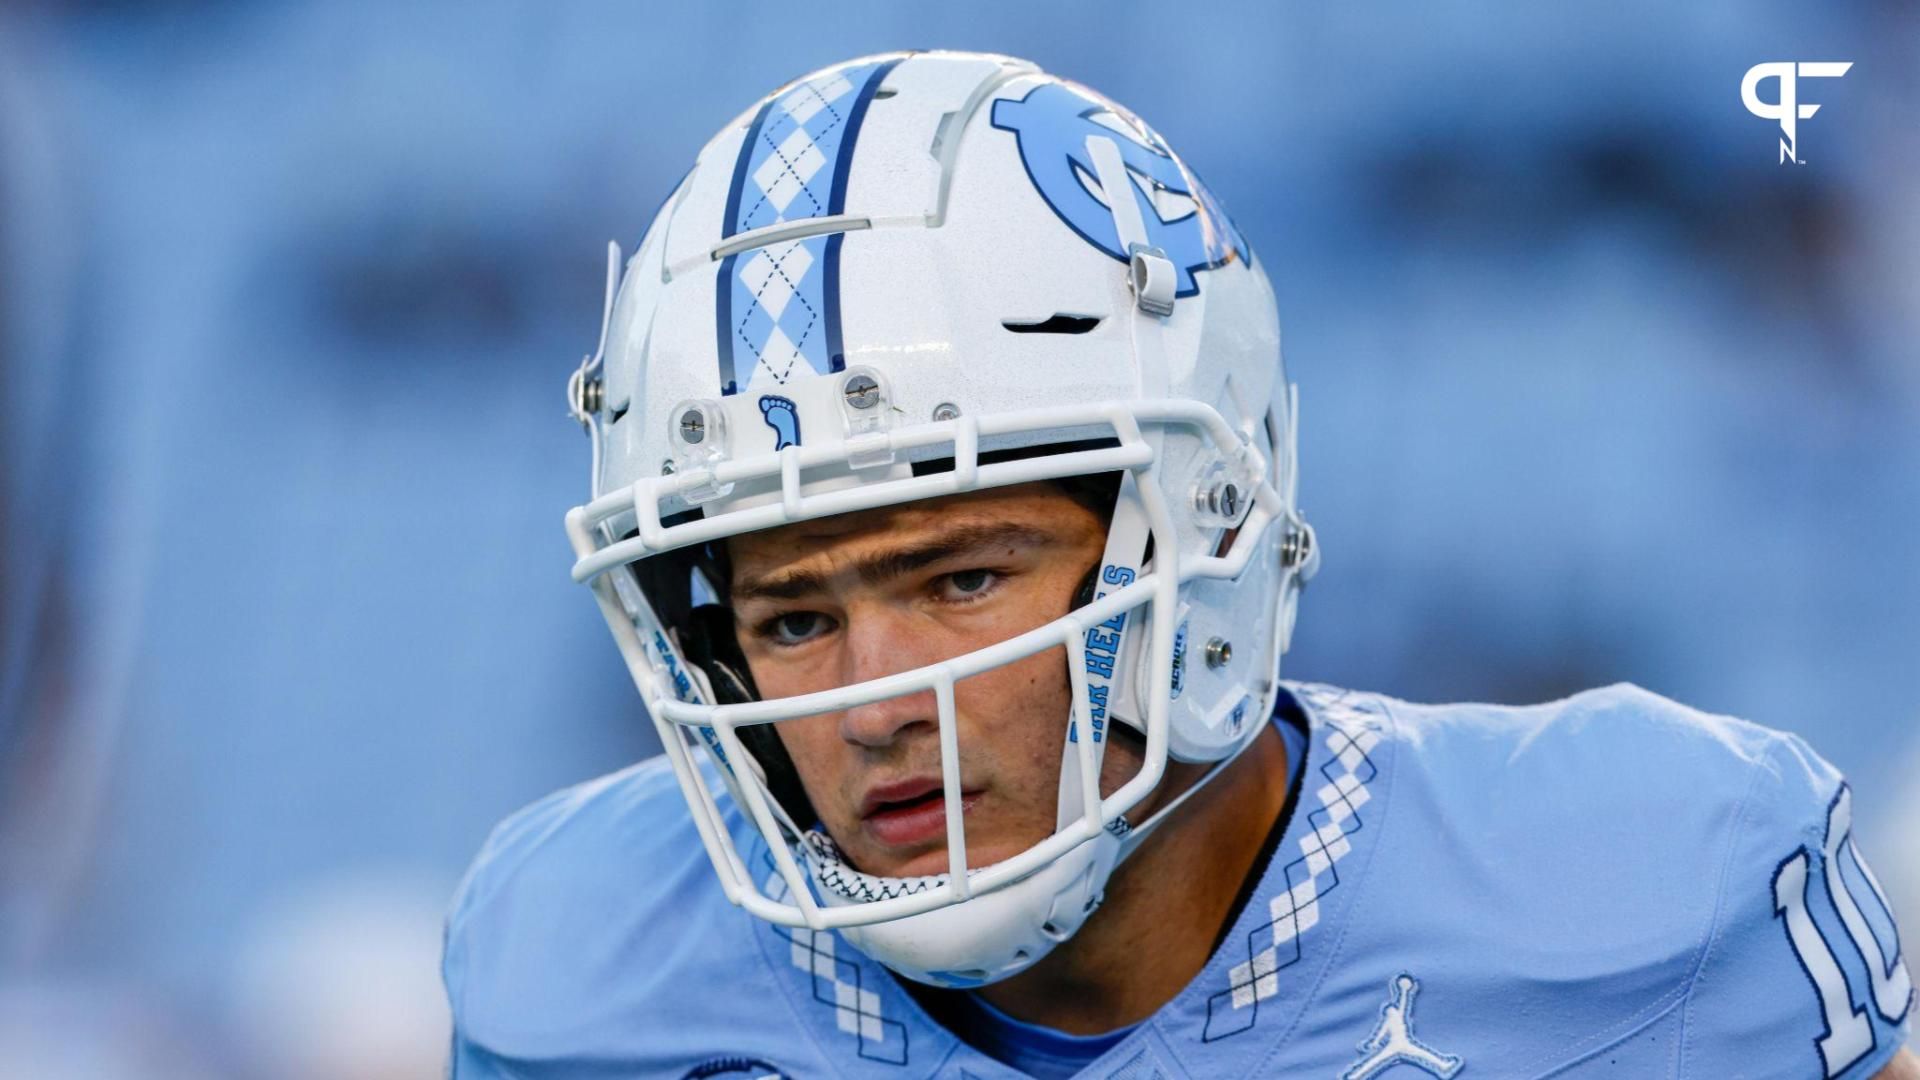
x: 778, y: 306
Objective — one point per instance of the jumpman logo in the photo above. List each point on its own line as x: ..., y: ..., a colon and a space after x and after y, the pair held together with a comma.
x: 1392, y: 1041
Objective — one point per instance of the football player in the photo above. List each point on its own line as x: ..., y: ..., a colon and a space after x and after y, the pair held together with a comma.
x: 943, y: 509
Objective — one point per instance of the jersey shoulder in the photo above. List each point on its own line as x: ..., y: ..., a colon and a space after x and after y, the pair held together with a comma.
x: 589, y: 916
x: 1630, y: 852
x: 1636, y: 779
x: 1618, y: 789
x: 1599, y: 738
x: 1635, y: 809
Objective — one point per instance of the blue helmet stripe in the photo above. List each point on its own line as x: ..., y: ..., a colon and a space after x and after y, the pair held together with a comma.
x: 780, y: 304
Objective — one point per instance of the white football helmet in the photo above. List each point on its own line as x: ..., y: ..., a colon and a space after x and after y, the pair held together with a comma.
x: 909, y: 276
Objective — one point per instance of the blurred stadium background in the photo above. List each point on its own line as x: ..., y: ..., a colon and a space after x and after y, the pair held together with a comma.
x: 1594, y: 390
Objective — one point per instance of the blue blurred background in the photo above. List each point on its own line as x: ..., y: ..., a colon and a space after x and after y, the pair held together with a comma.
x: 1594, y: 389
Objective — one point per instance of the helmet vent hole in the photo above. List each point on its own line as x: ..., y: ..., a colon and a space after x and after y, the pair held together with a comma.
x: 884, y: 92
x: 1058, y: 323
x: 618, y: 413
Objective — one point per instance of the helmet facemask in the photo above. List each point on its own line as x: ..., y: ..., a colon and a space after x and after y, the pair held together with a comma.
x: 1123, y: 646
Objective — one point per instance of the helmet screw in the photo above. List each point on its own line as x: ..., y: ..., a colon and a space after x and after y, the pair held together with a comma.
x: 693, y: 425
x: 862, y: 390
x: 946, y: 410
x: 1219, y: 653
x: 1222, y: 499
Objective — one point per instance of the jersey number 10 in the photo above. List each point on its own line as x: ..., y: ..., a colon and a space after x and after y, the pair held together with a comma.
x: 1848, y: 1036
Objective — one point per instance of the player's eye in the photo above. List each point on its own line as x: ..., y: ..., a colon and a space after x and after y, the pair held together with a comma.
x: 795, y: 627
x: 964, y: 586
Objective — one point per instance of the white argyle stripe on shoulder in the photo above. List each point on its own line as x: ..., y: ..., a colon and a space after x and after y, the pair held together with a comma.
x: 841, y: 983
x: 1349, y: 728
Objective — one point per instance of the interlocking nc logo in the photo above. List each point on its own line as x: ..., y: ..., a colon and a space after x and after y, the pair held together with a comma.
x: 1787, y: 109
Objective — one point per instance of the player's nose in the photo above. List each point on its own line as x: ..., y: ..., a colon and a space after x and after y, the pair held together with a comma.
x: 883, y: 723
x: 877, y: 646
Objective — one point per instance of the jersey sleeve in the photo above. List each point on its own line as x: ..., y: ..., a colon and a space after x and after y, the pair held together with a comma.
x: 1803, y: 975
x: 510, y: 844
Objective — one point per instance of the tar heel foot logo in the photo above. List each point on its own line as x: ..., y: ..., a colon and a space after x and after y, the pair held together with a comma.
x: 1392, y: 1042
x: 1786, y: 107
x: 783, y: 417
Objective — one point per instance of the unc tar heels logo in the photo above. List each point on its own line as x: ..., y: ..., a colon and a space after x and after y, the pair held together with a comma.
x: 1392, y: 1041
x: 783, y: 418
x: 1052, y: 124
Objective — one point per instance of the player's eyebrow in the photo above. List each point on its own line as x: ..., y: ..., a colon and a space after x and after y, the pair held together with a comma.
x: 883, y: 566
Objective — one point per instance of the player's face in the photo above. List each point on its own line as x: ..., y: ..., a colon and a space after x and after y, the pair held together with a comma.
x: 825, y: 604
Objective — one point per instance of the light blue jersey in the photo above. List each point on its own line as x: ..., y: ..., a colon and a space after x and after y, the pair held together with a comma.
x: 1608, y: 885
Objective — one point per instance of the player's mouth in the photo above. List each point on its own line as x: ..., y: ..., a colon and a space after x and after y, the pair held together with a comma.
x: 910, y: 812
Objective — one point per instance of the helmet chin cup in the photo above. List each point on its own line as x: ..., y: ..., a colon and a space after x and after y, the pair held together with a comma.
x: 996, y: 935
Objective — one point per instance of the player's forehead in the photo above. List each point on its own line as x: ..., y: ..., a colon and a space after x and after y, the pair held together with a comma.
x: 1026, y: 513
